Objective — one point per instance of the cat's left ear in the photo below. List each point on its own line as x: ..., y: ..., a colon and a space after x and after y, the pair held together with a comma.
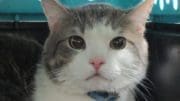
x: 140, y: 14
x: 54, y: 12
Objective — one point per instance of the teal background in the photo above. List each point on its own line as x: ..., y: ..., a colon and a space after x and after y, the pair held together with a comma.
x: 30, y: 10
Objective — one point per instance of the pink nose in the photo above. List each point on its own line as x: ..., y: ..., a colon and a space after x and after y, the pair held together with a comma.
x: 97, y: 63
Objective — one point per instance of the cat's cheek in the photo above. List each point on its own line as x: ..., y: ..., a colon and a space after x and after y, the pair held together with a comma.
x: 128, y: 63
x: 111, y: 70
x: 79, y: 68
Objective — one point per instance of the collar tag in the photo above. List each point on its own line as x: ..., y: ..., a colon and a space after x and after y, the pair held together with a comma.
x: 103, y: 96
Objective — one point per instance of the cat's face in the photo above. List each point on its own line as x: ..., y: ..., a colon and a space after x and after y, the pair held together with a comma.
x: 95, y: 48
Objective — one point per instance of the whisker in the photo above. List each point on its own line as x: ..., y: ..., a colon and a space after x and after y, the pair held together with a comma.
x: 145, y: 97
x: 150, y: 82
x: 145, y: 88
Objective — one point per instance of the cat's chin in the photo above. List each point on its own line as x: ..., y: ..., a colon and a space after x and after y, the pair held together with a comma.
x: 104, y: 87
x: 98, y: 83
x: 97, y: 77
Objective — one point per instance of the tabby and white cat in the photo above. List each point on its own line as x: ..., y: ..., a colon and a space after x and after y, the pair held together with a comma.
x: 92, y: 48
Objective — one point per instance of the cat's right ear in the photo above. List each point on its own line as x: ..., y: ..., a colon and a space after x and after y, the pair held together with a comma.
x: 54, y: 12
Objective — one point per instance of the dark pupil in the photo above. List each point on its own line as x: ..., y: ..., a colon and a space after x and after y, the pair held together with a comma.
x: 76, y: 42
x: 118, y: 43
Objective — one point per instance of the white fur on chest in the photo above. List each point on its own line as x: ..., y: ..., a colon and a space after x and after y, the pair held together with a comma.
x: 47, y: 91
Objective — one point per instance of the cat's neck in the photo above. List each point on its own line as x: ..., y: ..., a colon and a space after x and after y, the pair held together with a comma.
x: 46, y: 90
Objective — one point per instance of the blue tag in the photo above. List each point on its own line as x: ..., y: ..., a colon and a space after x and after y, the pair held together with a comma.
x: 103, y: 96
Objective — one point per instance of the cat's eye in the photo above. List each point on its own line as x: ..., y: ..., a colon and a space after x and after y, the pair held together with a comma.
x: 118, y: 43
x: 76, y: 42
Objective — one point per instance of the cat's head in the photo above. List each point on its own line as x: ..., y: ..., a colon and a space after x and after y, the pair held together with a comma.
x: 96, y: 47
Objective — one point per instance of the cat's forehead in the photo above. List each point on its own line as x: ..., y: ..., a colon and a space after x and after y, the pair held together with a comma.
x: 95, y: 19
x: 92, y: 15
x: 102, y: 30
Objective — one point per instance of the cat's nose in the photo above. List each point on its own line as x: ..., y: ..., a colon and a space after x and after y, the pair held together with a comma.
x: 97, y: 63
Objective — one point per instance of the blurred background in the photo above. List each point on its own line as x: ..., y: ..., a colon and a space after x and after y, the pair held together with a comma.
x: 30, y: 10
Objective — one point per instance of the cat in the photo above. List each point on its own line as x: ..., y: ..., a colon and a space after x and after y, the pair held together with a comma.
x: 95, y: 47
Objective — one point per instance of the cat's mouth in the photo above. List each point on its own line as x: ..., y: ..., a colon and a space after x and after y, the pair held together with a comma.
x: 96, y: 75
